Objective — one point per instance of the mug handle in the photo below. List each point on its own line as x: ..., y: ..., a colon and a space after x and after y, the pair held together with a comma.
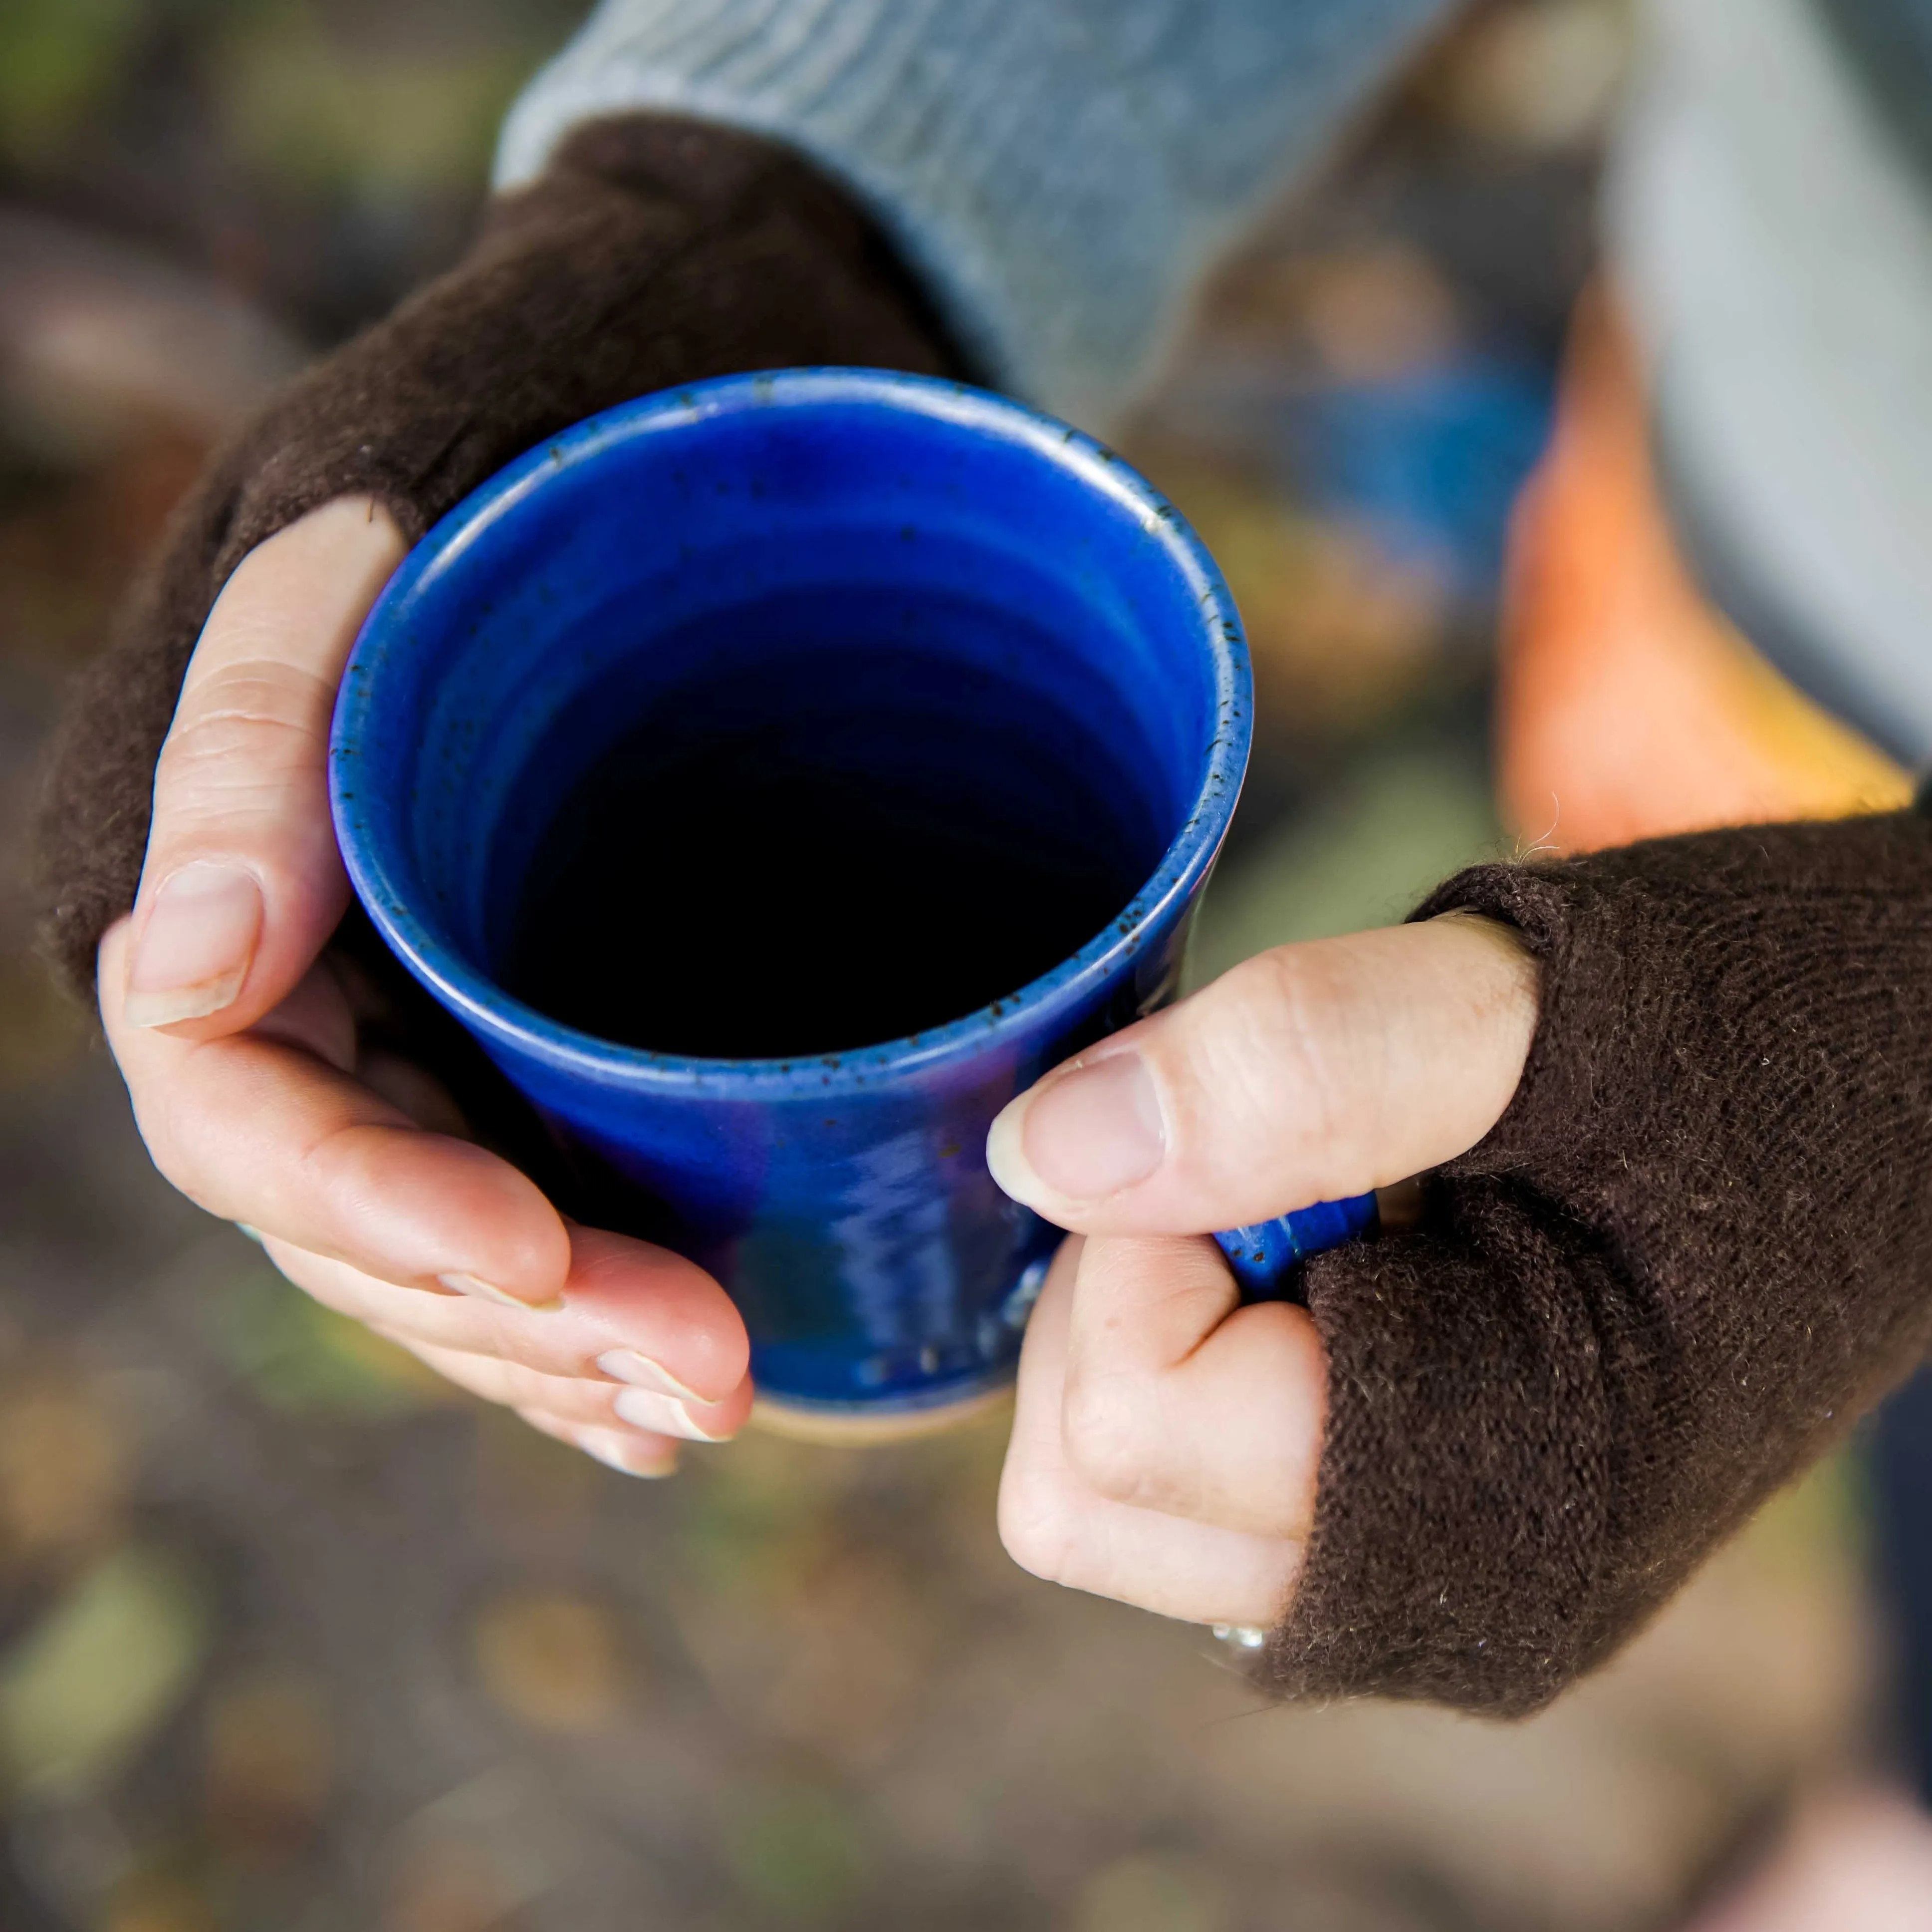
x: 1262, y: 1255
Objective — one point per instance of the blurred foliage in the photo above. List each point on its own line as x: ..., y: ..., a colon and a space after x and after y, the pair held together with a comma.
x: 1392, y: 825
x: 304, y: 89
x: 162, y: 1902
x: 64, y: 1469
x: 60, y: 60
x: 1145, y: 1893
x: 40, y: 1030
x: 556, y: 1662
x: 319, y: 155
x: 795, y: 1849
x: 1822, y: 1520
x: 83, y: 1690
x: 1340, y: 633
x: 313, y: 115
x: 270, y: 1757
x: 748, y: 1533
x: 299, y: 1356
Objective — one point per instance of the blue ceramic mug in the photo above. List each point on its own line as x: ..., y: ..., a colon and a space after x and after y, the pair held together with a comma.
x: 743, y: 724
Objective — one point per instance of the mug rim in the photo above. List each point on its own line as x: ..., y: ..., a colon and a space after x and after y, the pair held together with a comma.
x: 380, y: 873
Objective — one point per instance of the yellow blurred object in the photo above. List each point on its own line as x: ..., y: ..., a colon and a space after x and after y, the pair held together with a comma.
x: 1141, y: 1893
x: 1629, y: 708
x: 1376, y: 315
x: 1547, y: 76
x: 160, y: 1905
x: 63, y: 1468
x: 40, y: 1033
x: 271, y: 1756
x: 87, y: 1687
x: 1339, y: 634
x: 300, y: 1358
x: 304, y: 107
x: 552, y: 1660
x: 446, y: 1887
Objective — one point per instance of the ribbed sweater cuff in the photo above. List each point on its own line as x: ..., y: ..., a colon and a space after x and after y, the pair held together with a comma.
x: 1058, y: 173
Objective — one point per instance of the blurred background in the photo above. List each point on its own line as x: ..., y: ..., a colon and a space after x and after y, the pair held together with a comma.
x: 293, y: 1639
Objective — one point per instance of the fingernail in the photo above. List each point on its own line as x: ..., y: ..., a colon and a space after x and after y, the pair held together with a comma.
x: 196, y: 946
x: 626, y: 1365
x: 663, y: 1415
x: 1081, y: 1137
x: 485, y: 1291
x: 628, y: 1457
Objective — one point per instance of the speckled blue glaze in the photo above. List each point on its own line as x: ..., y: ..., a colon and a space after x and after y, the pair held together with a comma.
x: 1261, y: 1256
x: 843, y: 1200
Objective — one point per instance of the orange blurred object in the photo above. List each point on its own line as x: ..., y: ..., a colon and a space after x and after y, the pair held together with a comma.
x: 1629, y: 707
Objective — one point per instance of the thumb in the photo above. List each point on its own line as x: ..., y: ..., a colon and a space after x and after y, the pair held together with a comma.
x: 242, y: 883
x: 1309, y: 1073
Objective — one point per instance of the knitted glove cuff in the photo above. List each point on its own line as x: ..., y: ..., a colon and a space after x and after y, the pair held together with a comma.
x: 1689, y: 1256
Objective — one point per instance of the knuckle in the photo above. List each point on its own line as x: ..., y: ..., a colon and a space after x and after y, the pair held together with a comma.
x: 521, y: 1386
x: 337, y: 1169
x: 1106, y: 1434
x: 219, y: 760
x: 509, y: 1383
x: 168, y: 1140
x: 174, y: 1169
x: 1035, y: 1532
x: 259, y: 683
x: 1273, y: 1031
x: 489, y: 1333
x: 245, y: 725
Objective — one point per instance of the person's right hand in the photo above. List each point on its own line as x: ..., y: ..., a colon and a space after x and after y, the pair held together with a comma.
x: 238, y: 1042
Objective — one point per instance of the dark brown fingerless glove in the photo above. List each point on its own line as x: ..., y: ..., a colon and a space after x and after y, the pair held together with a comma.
x: 655, y: 250
x: 1697, y: 1246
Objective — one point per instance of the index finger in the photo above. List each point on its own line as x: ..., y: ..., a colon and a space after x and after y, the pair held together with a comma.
x: 242, y: 883
x: 1056, y: 1524
x: 1178, y: 1398
x: 266, y: 1127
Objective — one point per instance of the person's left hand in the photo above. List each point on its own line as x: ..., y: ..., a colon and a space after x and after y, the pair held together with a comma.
x: 261, y: 1094
x: 1167, y: 1439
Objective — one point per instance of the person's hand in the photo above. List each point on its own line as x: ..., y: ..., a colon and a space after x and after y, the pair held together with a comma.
x: 1167, y: 1439
x: 302, y: 1088
x: 239, y: 1043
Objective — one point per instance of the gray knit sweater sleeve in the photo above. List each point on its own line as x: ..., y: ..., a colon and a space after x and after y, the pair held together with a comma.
x: 1059, y: 173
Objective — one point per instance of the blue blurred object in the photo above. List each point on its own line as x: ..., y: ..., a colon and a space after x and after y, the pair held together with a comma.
x: 699, y: 551
x: 1429, y: 462
x: 1262, y: 1256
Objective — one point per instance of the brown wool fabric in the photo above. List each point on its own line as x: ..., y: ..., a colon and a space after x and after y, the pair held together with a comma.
x: 1697, y: 1246
x: 655, y: 250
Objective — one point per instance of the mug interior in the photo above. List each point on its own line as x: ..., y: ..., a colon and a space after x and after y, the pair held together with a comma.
x: 947, y: 599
